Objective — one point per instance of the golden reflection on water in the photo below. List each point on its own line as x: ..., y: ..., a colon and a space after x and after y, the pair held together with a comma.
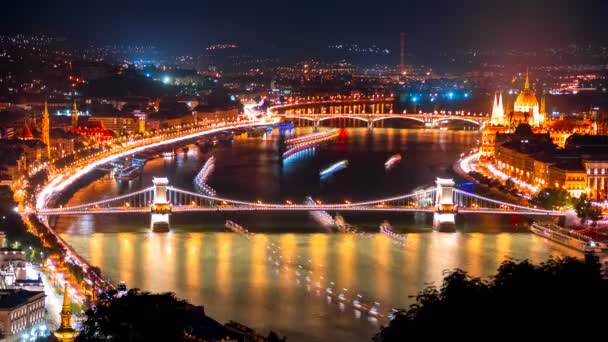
x: 503, y: 247
x: 318, y: 254
x: 474, y: 242
x: 346, y: 249
x: 96, y: 249
x: 382, y: 248
x: 258, y: 274
x: 193, y: 259
x: 127, y: 255
x: 223, y: 244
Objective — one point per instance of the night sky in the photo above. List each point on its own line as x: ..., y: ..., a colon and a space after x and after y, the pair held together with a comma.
x: 190, y: 25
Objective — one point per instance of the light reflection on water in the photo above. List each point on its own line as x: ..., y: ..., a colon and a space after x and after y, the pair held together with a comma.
x: 234, y: 279
x: 237, y: 278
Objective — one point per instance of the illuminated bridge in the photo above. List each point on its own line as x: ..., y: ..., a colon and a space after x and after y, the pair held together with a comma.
x: 161, y: 200
x: 366, y: 109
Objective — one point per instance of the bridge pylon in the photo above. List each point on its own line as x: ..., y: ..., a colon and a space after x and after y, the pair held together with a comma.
x: 444, y: 218
x: 160, y: 209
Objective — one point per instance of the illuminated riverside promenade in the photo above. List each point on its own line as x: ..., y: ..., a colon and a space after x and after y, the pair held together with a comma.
x: 60, y: 179
x: 366, y: 109
x: 68, y: 175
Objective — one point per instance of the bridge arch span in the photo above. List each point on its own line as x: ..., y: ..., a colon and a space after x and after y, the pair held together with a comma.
x: 402, y: 117
x: 309, y: 118
x: 455, y: 118
x: 339, y: 116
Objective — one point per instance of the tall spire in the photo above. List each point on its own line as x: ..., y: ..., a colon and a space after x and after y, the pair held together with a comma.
x: 66, y: 300
x: 46, y: 127
x: 66, y: 332
x: 502, y: 110
x: 498, y: 112
x: 75, y: 116
x: 527, y: 83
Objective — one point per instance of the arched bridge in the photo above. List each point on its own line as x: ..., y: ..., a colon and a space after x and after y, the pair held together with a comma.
x: 161, y: 200
x: 368, y: 110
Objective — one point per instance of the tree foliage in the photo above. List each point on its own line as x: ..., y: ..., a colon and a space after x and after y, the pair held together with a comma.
x: 585, y: 210
x: 142, y: 316
x: 551, y: 198
x: 555, y: 299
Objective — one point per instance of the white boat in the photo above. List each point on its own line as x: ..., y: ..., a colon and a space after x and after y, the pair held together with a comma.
x: 387, y: 229
x: 567, y: 238
x: 334, y: 168
x: 321, y: 217
x: 235, y: 227
x: 343, y: 226
x: 200, y: 180
x: 392, y: 161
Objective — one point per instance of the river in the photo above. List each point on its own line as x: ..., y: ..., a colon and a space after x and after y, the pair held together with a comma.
x: 277, y: 278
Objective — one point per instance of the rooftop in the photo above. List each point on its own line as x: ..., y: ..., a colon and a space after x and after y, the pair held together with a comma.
x: 10, y: 299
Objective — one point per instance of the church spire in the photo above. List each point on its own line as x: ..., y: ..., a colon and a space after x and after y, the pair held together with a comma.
x: 46, y: 127
x: 500, y: 103
x: 66, y: 332
x: 74, y: 116
x: 498, y: 112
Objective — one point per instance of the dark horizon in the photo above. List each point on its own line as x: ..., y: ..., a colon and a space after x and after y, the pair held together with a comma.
x: 188, y: 26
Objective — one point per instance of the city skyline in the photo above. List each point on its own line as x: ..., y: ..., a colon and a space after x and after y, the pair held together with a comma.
x: 243, y: 171
x: 288, y: 28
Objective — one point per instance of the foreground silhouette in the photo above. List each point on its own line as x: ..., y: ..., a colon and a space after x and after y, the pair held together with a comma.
x: 554, y: 300
x: 143, y: 316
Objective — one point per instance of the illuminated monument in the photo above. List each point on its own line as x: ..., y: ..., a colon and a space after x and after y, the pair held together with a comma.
x: 66, y: 332
x: 526, y: 108
x: 46, y: 128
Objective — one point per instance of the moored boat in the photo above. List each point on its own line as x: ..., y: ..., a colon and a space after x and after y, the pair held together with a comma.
x: 567, y: 237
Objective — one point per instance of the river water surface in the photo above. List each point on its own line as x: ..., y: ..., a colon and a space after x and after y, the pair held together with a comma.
x: 277, y: 278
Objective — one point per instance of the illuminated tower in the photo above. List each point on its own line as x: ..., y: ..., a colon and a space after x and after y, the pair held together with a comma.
x: 526, y: 103
x: 75, y: 116
x: 402, y: 54
x: 66, y: 333
x: 498, y: 112
x: 46, y: 128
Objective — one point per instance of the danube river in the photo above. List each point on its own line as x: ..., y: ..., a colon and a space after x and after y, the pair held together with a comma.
x: 277, y: 278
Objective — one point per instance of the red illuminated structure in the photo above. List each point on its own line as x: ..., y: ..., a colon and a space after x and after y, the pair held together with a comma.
x: 94, y: 129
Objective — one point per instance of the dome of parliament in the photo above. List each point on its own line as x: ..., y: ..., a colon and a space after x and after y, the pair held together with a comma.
x: 526, y: 97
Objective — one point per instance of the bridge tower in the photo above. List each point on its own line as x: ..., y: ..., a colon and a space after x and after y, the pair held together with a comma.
x: 445, y: 210
x: 161, y: 208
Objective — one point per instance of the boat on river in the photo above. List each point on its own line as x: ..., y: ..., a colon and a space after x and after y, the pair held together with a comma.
x: 343, y: 164
x: 321, y: 217
x: 129, y: 173
x: 387, y: 229
x: 235, y: 227
x: 568, y: 238
x: 392, y: 161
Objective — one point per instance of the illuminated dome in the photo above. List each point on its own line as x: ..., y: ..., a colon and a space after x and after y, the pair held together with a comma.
x: 526, y: 99
x: 527, y: 103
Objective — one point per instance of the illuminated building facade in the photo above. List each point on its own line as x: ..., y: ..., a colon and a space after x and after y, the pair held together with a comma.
x: 46, y: 130
x: 94, y: 130
x: 526, y: 108
x: 20, y: 309
x: 75, y: 116
x: 496, y: 126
